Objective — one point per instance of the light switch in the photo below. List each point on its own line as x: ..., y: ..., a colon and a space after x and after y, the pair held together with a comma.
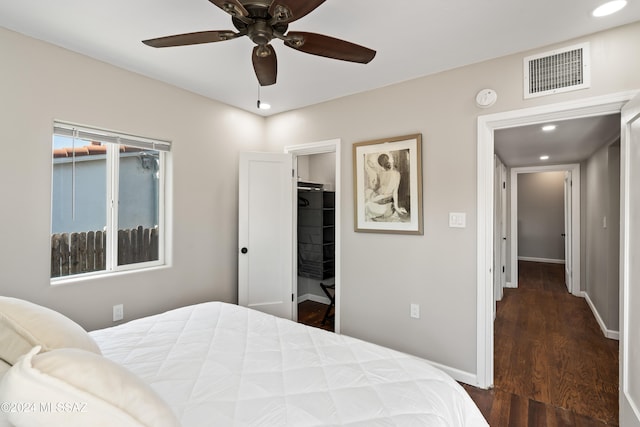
x: 457, y: 219
x: 415, y: 311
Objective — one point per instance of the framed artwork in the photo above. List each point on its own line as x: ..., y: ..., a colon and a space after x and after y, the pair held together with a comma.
x: 387, y: 177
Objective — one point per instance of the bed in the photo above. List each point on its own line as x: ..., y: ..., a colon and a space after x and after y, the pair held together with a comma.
x: 218, y: 364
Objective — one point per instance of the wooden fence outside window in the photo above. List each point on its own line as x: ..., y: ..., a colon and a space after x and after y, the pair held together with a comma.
x: 84, y: 252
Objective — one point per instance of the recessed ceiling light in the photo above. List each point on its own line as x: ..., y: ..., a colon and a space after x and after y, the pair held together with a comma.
x: 548, y: 128
x: 544, y: 157
x: 609, y: 8
x: 263, y: 105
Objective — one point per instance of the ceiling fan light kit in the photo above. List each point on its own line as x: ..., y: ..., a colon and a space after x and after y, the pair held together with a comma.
x: 265, y: 20
x: 262, y: 105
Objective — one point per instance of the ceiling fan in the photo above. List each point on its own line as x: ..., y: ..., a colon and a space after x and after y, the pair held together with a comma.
x: 263, y: 21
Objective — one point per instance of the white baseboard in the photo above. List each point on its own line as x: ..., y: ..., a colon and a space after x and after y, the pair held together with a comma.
x: 457, y: 374
x: 313, y: 297
x: 614, y: 335
x: 547, y: 260
x: 510, y: 285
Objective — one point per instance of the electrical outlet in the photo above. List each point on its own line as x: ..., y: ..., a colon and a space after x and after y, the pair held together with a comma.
x: 118, y: 312
x: 415, y: 311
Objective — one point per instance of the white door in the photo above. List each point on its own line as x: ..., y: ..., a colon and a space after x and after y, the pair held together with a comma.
x: 265, y: 233
x: 503, y: 228
x: 568, y: 255
x: 630, y: 267
x: 497, y: 292
x: 499, y: 230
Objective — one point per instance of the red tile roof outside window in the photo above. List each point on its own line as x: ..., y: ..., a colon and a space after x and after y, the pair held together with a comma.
x: 93, y: 149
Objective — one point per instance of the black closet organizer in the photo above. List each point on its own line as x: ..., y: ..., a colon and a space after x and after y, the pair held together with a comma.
x: 316, y: 233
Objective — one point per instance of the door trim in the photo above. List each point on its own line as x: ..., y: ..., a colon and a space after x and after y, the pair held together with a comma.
x: 487, y: 124
x: 574, y: 168
x: 320, y: 147
x: 629, y: 397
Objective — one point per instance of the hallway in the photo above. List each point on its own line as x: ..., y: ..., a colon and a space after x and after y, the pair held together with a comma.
x: 553, y: 366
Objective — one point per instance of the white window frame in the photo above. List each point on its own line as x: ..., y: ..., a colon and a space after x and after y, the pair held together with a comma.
x: 112, y: 141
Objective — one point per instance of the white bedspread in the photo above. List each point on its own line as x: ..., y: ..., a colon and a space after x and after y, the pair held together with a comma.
x: 221, y: 365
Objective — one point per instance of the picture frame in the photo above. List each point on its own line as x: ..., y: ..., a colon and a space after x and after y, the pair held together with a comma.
x: 387, y: 179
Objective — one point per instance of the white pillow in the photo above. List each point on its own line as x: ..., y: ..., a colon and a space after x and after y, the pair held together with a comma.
x: 4, y: 367
x: 76, y: 388
x: 24, y: 325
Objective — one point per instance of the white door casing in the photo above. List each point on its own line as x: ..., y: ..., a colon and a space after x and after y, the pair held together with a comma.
x: 328, y: 146
x: 500, y: 242
x: 503, y: 229
x: 630, y: 265
x: 497, y: 291
x: 265, y: 233
x: 568, y: 230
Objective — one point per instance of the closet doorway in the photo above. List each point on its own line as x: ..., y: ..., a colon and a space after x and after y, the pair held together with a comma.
x: 317, y: 234
x: 316, y: 240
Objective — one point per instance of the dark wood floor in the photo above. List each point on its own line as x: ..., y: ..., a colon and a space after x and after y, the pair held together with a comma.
x: 553, y: 366
x: 311, y: 313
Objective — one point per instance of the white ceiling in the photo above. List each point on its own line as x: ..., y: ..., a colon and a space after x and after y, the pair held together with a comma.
x: 571, y: 142
x: 412, y: 38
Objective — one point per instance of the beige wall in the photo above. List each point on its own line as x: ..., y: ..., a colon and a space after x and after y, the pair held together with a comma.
x: 541, y: 215
x: 602, y: 233
x: 318, y: 168
x: 383, y: 274
x: 612, y: 320
x: 40, y: 83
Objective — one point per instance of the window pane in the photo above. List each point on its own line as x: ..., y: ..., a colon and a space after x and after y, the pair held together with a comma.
x: 138, y: 207
x: 78, y: 206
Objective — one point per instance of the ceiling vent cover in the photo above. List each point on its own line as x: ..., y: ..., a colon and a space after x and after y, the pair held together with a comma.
x: 557, y: 71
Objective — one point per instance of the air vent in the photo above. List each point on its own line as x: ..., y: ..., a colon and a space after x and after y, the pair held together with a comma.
x: 557, y: 71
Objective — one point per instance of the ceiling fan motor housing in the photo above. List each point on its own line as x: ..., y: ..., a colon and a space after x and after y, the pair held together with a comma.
x: 260, y: 32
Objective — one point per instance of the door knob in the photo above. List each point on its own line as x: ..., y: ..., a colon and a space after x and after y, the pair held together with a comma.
x: 244, y: 250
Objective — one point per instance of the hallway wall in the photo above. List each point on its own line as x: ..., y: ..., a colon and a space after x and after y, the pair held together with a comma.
x: 541, y: 216
x: 602, y: 235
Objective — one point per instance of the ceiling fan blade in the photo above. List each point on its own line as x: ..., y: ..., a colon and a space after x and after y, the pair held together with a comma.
x: 265, y: 65
x: 290, y: 10
x: 232, y: 7
x: 329, y: 47
x: 191, y: 38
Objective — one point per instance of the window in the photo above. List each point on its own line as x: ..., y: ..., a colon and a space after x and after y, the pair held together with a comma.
x: 107, y: 201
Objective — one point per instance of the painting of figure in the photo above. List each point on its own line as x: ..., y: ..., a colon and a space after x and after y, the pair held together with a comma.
x: 386, y: 194
x: 388, y: 188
